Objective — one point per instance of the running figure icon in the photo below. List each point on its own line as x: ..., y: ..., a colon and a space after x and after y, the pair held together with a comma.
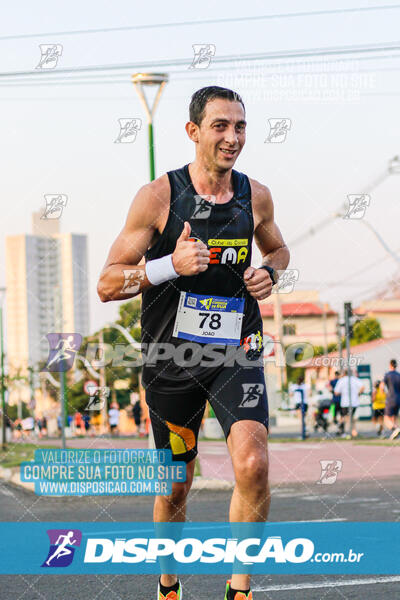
x: 64, y: 347
x: 62, y: 549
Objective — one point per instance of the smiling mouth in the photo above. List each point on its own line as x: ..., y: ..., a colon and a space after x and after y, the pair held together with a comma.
x: 228, y: 152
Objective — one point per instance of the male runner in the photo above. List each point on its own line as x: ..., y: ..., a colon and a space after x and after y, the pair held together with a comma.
x: 198, y: 288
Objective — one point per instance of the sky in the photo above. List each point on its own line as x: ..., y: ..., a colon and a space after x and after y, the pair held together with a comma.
x: 61, y: 138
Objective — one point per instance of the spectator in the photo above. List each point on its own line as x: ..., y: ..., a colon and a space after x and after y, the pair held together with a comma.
x: 392, y: 383
x: 28, y: 426
x: 378, y: 405
x: 44, y: 426
x: 299, y: 393
x: 39, y: 424
x: 113, y: 418
x: 17, y: 428
x: 86, y: 422
x: 335, y: 397
x: 137, y: 415
x: 70, y: 421
x: 342, y: 388
x: 96, y: 421
x: 78, y: 423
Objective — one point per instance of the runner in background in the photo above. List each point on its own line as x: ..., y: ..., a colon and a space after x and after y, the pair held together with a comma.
x: 335, y: 397
x: 378, y: 405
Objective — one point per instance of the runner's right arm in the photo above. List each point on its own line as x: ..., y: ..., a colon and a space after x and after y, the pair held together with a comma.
x: 142, y: 224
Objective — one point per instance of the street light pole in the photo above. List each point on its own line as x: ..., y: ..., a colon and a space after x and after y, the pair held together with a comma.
x: 139, y: 80
x: 347, y: 316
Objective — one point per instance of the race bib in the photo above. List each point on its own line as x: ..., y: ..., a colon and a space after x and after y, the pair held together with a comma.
x: 207, y: 319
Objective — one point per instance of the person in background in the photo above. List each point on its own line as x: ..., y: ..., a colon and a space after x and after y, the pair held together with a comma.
x: 299, y: 392
x: 17, y: 429
x: 342, y: 388
x: 44, y: 426
x: 78, y: 423
x: 392, y: 383
x: 96, y: 422
x: 113, y: 418
x: 335, y: 397
x: 86, y: 422
x: 28, y: 426
x: 378, y: 405
x: 137, y: 415
x: 39, y: 424
x: 70, y: 421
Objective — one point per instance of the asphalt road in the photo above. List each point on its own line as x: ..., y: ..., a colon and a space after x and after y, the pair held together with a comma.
x: 362, y: 501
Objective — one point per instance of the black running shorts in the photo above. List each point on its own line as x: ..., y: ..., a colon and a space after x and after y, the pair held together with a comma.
x: 235, y: 394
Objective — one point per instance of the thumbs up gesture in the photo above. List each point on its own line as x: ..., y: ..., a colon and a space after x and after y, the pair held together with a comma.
x: 189, y: 257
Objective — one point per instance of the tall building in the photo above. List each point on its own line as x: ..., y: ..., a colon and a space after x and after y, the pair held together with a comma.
x: 47, y: 290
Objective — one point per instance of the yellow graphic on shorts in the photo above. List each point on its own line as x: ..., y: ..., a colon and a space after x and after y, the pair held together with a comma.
x: 181, y: 439
x: 212, y: 303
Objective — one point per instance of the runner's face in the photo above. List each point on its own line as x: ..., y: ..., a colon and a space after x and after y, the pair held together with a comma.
x: 222, y: 133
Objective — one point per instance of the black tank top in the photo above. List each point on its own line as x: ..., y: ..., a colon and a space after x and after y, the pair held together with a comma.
x: 228, y: 232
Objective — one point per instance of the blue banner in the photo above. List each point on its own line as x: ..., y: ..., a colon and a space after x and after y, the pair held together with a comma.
x: 194, y: 548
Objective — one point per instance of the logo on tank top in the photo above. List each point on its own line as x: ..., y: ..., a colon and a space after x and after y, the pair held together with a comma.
x: 227, y: 251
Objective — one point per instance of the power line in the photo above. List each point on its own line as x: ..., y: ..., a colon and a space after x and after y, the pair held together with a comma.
x: 107, y: 77
x: 203, y: 22
x: 280, y: 54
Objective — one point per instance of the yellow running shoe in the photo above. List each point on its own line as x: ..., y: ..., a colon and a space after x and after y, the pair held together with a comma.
x: 238, y: 595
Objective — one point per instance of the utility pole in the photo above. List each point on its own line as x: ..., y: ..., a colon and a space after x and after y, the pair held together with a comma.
x: 348, y: 312
x: 339, y: 343
x: 279, y: 332
x: 63, y: 376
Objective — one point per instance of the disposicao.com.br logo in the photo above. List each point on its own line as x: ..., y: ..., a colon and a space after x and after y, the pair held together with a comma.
x: 190, y: 550
x: 62, y: 547
x: 196, y: 547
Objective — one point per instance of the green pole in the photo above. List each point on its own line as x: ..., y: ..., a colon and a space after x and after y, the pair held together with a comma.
x: 3, y: 397
x: 64, y: 415
x: 151, y: 153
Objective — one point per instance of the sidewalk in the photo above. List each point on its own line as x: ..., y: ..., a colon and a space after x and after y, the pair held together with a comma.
x: 295, y: 462
x: 290, y: 461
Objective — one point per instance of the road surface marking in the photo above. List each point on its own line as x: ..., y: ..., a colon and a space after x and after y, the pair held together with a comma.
x: 326, y: 584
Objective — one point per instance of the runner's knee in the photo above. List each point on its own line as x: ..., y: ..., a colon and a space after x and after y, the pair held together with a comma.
x: 179, y: 493
x: 253, y: 469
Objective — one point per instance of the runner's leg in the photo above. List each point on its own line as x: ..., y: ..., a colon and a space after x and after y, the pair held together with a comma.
x: 247, y: 443
x: 238, y: 397
x: 175, y: 420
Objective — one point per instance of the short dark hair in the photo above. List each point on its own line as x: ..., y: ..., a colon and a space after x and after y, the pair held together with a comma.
x: 393, y: 363
x: 201, y: 97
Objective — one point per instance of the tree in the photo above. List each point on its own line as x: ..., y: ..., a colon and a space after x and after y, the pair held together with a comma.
x: 366, y: 330
x: 129, y: 317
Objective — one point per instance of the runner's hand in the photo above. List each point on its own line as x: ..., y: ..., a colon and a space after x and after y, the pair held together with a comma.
x: 189, y: 258
x: 258, y: 283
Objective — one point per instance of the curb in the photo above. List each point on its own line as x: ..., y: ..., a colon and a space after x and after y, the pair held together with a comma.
x: 199, y: 483
x: 12, y: 475
x: 202, y: 483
